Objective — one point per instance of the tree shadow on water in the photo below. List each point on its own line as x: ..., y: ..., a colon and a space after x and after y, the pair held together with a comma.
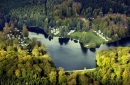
x: 84, y: 50
x: 38, y: 31
x: 63, y: 41
x: 92, y: 49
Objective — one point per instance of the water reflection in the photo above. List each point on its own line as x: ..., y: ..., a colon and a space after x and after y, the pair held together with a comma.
x: 93, y: 50
x: 38, y: 31
x: 122, y: 42
x: 50, y: 38
x: 63, y: 41
x: 84, y: 50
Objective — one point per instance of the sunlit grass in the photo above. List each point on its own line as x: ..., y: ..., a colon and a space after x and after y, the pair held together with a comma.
x: 92, y: 37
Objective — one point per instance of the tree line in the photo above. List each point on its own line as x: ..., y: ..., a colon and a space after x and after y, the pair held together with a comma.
x: 114, y: 26
x: 113, y: 66
x: 67, y: 15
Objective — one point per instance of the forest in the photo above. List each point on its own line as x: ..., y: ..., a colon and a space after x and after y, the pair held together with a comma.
x: 113, y: 66
x: 25, y: 61
x: 111, y: 17
x: 18, y: 66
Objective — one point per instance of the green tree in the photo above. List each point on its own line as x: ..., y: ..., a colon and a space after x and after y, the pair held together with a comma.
x: 78, y: 26
x: 35, y: 51
x: 25, y: 31
x: 52, y: 77
x: 10, y: 48
x: 84, y: 37
x: 83, y: 80
x: 6, y: 29
x: 17, y: 72
x: 34, y: 42
x: 110, y: 10
x: 42, y: 49
x: 16, y: 41
x: 126, y: 76
x: 61, y: 77
x: 61, y: 31
x: 86, y: 25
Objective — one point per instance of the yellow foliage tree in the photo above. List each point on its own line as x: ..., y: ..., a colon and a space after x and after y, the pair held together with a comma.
x: 52, y: 77
x: 17, y: 73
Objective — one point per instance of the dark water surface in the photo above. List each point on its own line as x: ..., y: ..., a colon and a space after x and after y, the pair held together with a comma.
x: 72, y: 56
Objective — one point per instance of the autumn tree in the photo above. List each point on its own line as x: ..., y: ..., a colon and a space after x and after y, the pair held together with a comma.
x: 61, y: 77
x: 83, y: 80
x: 52, y: 77
x: 35, y: 51
x: 72, y: 79
x: 6, y: 29
x: 17, y: 72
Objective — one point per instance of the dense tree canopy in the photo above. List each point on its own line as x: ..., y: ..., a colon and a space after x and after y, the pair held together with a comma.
x: 108, y: 16
x: 114, y: 26
x: 25, y: 61
x: 113, y: 66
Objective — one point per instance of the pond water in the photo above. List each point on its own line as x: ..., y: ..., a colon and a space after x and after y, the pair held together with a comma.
x: 71, y: 55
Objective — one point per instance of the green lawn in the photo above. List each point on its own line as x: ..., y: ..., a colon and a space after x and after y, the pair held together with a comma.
x: 76, y: 35
x: 92, y: 38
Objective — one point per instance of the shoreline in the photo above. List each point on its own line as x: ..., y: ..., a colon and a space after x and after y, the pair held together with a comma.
x: 88, y: 46
x: 69, y: 71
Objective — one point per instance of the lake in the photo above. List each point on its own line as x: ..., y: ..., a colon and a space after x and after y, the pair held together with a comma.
x: 71, y: 55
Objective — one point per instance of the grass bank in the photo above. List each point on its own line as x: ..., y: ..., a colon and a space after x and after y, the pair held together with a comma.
x: 93, y: 39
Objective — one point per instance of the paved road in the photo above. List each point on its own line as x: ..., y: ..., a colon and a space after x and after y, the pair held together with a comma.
x: 81, y: 70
